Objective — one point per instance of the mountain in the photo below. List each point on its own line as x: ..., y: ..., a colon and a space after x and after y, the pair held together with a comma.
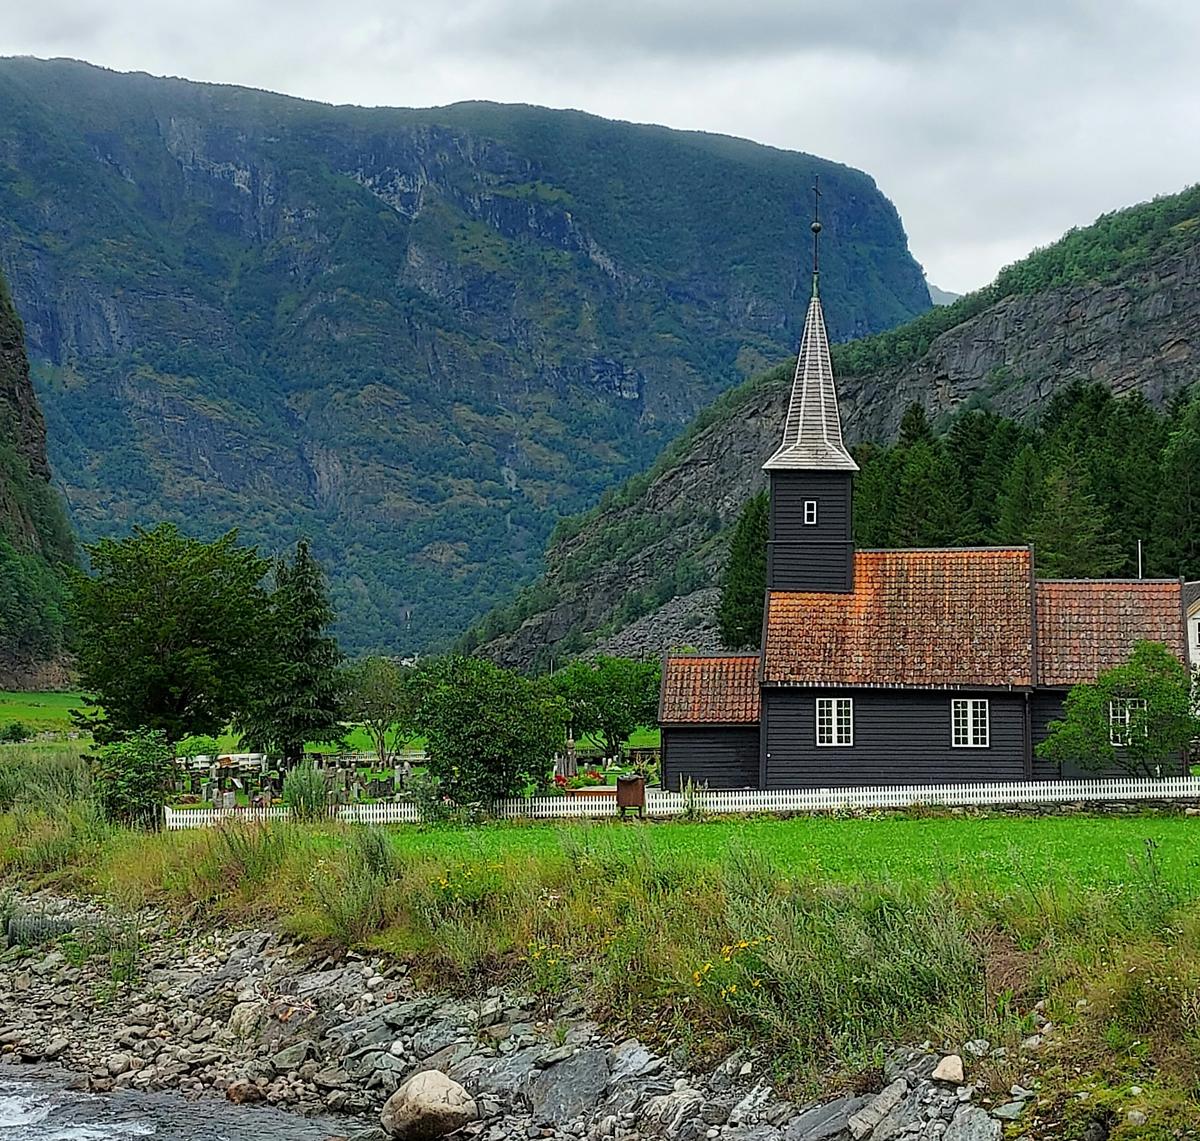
x: 418, y: 336
x: 942, y: 296
x: 1116, y: 303
x: 35, y: 541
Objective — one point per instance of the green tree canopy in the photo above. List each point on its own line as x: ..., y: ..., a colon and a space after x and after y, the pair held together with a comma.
x: 170, y: 630
x: 132, y: 775
x: 296, y: 697
x: 490, y: 733
x: 739, y: 614
x: 1072, y: 533
x: 1138, y: 717
x: 383, y: 697
x: 610, y: 697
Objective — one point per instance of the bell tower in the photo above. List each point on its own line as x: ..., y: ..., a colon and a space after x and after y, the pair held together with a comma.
x: 811, y: 544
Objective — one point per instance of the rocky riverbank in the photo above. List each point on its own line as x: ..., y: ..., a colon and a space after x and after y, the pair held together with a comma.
x: 252, y: 1018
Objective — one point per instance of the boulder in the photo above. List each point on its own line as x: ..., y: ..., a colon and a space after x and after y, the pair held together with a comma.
x: 427, y: 1106
x: 666, y: 1115
x: 246, y: 1018
x: 825, y: 1122
x: 971, y: 1123
x: 949, y: 1069
x: 570, y: 1088
x: 871, y: 1114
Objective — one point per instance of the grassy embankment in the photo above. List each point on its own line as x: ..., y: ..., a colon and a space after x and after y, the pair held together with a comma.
x: 818, y: 939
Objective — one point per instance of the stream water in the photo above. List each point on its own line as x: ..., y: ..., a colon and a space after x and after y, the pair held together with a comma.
x: 38, y: 1107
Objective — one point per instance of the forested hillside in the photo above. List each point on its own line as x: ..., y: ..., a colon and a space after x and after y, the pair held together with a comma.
x: 418, y: 336
x: 35, y: 541
x: 1116, y: 304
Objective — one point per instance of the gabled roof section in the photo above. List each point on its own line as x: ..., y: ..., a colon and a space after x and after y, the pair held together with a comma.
x: 713, y: 690
x: 1087, y: 626
x: 812, y: 436
x: 1191, y: 595
x: 916, y: 619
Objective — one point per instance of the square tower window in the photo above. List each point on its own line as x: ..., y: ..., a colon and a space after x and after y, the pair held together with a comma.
x: 810, y: 512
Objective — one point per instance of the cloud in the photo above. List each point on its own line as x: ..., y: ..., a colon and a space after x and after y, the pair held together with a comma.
x: 993, y: 126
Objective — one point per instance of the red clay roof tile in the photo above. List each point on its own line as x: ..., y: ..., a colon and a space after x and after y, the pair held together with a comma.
x: 717, y: 690
x: 919, y: 618
x: 1088, y: 626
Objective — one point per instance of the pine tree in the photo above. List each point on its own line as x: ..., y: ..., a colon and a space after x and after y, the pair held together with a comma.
x: 930, y: 505
x: 1021, y: 496
x: 915, y: 427
x: 298, y: 698
x: 739, y: 615
x: 875, y: 496
x: 1072, y: 533
x: 1175, y: 546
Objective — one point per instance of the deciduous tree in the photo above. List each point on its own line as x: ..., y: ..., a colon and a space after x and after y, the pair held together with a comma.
x: 170, y: 630
x: 490, y: 733
x: 383, y: 697
x: 1138, y: 717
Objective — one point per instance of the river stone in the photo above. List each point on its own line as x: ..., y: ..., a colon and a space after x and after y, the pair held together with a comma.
x: 434, y: 1038
x: 871, y: 1114
x: 667, y: 1114
x: 294, y: 1056
x: 246, y: 1018
x: 571, y: 1088
x: 427, y: 1106
x: 825, y: 1122
x: 949, y: 1069
x: 972, y: 1124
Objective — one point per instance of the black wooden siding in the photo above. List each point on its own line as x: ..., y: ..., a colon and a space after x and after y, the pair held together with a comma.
x: 720, y: 757
x: 816, y: 556
x: 900, y: 737
x: 1045, y: 707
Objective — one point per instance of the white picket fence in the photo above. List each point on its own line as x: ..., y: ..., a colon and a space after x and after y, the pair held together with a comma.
x: 660, y: 803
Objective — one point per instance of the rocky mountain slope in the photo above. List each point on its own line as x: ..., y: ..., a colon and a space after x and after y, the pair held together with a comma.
x: 418, y: 336
x: 35, y: 541
x: 1117, y: 303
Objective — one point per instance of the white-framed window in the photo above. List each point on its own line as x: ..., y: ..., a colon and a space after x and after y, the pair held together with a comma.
x: 969, y: 723
x: 1120, y: 716
x: 835, y: 721
x: 810, y: 512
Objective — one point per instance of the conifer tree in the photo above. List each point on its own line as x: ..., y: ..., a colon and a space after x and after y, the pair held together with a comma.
x: 739, y: 614
x: 1071, y: 534
x: 915, y: 427
x: 930, y: 505
x: 1176, y: 545
x: 1022, y: 493
x: 297, y: 699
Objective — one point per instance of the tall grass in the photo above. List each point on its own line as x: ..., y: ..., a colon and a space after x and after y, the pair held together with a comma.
x: 712, y: 951
x: 305, y: 793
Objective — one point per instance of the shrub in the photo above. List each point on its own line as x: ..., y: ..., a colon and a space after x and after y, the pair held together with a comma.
x: 305, y: 793
x: 133, y: 775
x: 15, y: 732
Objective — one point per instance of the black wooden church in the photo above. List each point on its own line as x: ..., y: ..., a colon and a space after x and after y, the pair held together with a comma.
x: 891, y: 666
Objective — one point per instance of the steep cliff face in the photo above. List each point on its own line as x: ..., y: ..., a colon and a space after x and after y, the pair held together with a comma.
x: 35, y: 542
x: 419, y: 336
x: 637, y: 573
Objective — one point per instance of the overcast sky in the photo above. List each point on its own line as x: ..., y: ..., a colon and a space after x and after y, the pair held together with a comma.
x: 992, y: 124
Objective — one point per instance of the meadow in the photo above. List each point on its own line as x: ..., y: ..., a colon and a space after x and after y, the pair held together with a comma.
x: 819, y: 940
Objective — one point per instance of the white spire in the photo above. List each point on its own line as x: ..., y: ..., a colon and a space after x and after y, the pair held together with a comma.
x: 812, y: 436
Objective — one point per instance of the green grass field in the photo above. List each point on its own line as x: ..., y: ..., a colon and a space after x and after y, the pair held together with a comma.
x: 41, y: 711
x: 999, y: 852
x: 51, y: 712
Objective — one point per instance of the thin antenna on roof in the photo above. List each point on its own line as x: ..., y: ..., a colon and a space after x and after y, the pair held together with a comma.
x: 1139, y: 558
x: 816, y: 229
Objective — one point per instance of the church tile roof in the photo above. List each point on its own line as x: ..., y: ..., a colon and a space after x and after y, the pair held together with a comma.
x: 710, y: 690
x: 1087, y: 626
x: 916, y: 618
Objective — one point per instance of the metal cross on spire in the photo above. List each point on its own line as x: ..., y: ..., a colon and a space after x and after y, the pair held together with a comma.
x: 816, y: 228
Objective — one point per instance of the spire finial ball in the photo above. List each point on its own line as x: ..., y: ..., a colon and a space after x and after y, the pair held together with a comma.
x: 816, y: 227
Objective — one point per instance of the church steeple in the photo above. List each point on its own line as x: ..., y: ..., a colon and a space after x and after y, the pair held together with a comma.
x: 811, y: 546
x: 812, y: 435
